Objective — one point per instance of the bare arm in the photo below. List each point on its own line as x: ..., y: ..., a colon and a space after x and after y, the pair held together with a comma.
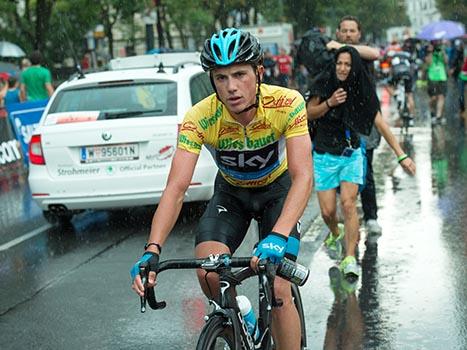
x: 167, y: 212
x: 300, y: 170
x: 3, y: 91
x: 408, y: 164
x: 22, y: 92
x: 49, y: 88
x: 366, y: 52
x: 169, y: 207
x: 316, y: 109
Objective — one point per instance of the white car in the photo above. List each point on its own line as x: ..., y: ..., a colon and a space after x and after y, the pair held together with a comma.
x: 106, y: 140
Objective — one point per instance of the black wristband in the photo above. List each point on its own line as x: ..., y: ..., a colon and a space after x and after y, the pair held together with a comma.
x: 147, y: 245
x: 279, y: 235
x: 327, y: 104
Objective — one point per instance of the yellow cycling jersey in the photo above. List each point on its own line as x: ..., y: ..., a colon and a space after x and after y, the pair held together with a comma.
x: 252, y: 155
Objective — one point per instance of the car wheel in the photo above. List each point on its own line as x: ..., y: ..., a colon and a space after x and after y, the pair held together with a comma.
x: 56, y: 219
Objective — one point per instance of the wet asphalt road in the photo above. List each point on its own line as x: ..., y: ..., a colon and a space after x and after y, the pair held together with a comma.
x: 69, y: 287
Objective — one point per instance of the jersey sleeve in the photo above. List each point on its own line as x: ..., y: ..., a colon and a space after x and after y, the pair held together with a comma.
x: 297, y: 119
x: 191, y: 135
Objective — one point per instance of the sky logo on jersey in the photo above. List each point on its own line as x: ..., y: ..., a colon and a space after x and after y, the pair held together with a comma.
x: 253, y: 164
x: 241, y: 161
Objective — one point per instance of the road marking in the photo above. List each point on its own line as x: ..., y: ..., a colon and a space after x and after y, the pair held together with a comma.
x: 24, y: 237
x: 314, y: 231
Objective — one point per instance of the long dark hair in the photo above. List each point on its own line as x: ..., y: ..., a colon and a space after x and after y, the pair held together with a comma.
x: 360, y: 108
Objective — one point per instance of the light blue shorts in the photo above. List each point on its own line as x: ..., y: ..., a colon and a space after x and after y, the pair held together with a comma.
x: 330, y: 170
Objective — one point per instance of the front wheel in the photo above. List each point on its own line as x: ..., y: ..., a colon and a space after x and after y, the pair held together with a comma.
x: 217, y: 334
x: 299, y: 305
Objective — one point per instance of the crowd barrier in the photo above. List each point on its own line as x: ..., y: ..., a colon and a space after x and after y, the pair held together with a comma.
x: 10, y: 149
x: 18, y: 127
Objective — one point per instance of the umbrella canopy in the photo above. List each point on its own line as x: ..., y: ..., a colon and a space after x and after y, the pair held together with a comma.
x: 9, y: 69
x: 8, y: 49
x: 441, y: 30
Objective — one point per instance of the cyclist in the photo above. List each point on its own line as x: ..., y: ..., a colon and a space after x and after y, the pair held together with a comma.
x: 401, y: 70
x: 258, y: 136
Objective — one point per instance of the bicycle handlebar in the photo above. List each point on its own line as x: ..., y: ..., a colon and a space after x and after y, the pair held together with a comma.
x: 206, y: 263
x: 287, y: 269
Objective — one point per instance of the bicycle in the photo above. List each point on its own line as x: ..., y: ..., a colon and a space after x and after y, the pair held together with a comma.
x: 225, y: 327
x: 402, y: 106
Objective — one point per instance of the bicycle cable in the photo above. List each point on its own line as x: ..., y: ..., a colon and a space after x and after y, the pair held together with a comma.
x: 207, y: 283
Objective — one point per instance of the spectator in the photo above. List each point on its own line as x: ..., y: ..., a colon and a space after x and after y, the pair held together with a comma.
x: 436, y: 61
x: 455, y: 67
x: 25, y: 63
x: 269, y: 64
x: 10, y: 92
x: 349, y: 32
x: 463, y: 81
x: 284, y: 63
x: 337, y: 152
x: 36, y: 81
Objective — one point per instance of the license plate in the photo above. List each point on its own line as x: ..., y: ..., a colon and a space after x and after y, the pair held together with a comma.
x: 108, y: 153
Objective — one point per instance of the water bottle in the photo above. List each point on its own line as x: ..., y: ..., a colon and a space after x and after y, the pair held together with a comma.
x: 248, y: 315
x: 293, y: 272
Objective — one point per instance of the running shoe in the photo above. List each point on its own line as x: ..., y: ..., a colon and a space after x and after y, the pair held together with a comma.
x: 335, y: 277
x: 349, y: 268
x: 349, y: 287
x: 340, y: 286
x: 334, y: 244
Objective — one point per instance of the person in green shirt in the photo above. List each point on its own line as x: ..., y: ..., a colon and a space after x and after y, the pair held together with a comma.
x: 436, y: 61
x: 36, y: 81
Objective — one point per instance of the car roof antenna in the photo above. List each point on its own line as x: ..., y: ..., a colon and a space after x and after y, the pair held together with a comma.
x: 161, y: 68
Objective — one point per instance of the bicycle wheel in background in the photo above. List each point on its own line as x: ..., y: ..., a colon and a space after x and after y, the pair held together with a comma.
x: 217, y: 334
x: 299, y: 305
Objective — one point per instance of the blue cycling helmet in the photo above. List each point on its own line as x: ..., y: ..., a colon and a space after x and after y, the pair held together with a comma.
x: 230, y: 46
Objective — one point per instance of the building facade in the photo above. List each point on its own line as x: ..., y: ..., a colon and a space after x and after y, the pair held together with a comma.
x: 421, y: 12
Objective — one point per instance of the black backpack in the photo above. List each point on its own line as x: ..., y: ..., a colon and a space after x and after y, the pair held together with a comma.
x: 312, y: 52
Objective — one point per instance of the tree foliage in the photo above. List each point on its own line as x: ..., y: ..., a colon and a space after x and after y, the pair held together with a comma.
x: 58, y: 27
x: 454, y: 10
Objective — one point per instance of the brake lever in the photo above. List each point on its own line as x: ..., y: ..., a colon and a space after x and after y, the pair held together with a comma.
x: 143, y: 275
x: 268, y: 270
x: 149, y: 294
x: 271, y: 275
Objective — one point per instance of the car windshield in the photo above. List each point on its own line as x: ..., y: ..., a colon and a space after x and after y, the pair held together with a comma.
x: 123, y: 101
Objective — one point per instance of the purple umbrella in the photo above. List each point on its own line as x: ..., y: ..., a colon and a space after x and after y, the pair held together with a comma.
x: 441, y: 30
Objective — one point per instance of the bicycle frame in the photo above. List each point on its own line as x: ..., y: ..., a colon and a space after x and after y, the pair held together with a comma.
x: 228, y: 281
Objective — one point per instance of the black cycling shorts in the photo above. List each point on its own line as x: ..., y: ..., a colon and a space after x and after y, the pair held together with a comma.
x: 230, y: 210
